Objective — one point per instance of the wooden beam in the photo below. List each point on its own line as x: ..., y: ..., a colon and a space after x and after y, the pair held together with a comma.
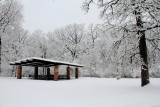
x: 36, y: 72
x: 19, y: 72
x: 56, y: 73
x: 68, y: 73
x: 76, y: 72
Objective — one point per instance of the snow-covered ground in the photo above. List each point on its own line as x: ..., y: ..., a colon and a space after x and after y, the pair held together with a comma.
x: 82, y: 92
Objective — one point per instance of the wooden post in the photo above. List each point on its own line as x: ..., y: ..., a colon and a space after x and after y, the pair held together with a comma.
x: 56, y: 73
x: 19, y: 72
x: 36, y: 72
x: 76, y: 73
x: 68, y: 73
x: 48, y: 71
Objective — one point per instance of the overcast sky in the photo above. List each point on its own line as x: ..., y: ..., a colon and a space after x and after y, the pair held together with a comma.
x: 48, y: 15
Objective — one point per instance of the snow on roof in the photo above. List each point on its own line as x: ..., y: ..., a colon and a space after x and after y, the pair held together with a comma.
x: 48, y: 61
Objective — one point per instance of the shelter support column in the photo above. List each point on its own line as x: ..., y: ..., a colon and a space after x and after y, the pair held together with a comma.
x: 48, y: 71
x: 36, y: 72
x: 76, y: 72
x: 56, y: 74
x: 19, y: 72
x: 68, y: 73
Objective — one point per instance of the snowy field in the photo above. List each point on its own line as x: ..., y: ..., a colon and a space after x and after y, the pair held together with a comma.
x: 82, y: 92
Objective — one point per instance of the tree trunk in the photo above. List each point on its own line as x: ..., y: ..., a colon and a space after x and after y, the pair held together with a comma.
x: 0, y: 54
x: 144, y: 65
x: 142, y: 50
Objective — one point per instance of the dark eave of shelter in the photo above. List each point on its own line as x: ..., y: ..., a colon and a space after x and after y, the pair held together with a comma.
x: 34, y: 63
x: 41, y: 62
x: 38, y: 64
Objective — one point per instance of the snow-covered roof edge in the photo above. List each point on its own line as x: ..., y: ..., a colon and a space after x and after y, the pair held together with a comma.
x: 47, y: 60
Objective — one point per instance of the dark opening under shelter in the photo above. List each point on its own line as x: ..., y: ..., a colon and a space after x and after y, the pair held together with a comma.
x: 41, y: 62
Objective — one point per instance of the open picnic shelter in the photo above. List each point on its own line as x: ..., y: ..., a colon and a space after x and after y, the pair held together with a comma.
x: 41, y: 62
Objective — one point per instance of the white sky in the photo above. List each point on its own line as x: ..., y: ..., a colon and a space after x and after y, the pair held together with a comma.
x: 48, y: 15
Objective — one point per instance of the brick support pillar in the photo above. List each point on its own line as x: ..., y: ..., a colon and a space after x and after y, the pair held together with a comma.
x: 68, y: 73
x: 76, y: 72
x: 19, y: 72
x: 56, y: 74
x: 36, y: 72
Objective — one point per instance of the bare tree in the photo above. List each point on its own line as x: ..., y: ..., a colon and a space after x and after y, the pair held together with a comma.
x: 132, y: 16
x: 71, y: 37
x: 93, y: 33
x: 10, y: 15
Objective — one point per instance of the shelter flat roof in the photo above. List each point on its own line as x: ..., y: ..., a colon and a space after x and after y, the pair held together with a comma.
x: 41, y: 62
